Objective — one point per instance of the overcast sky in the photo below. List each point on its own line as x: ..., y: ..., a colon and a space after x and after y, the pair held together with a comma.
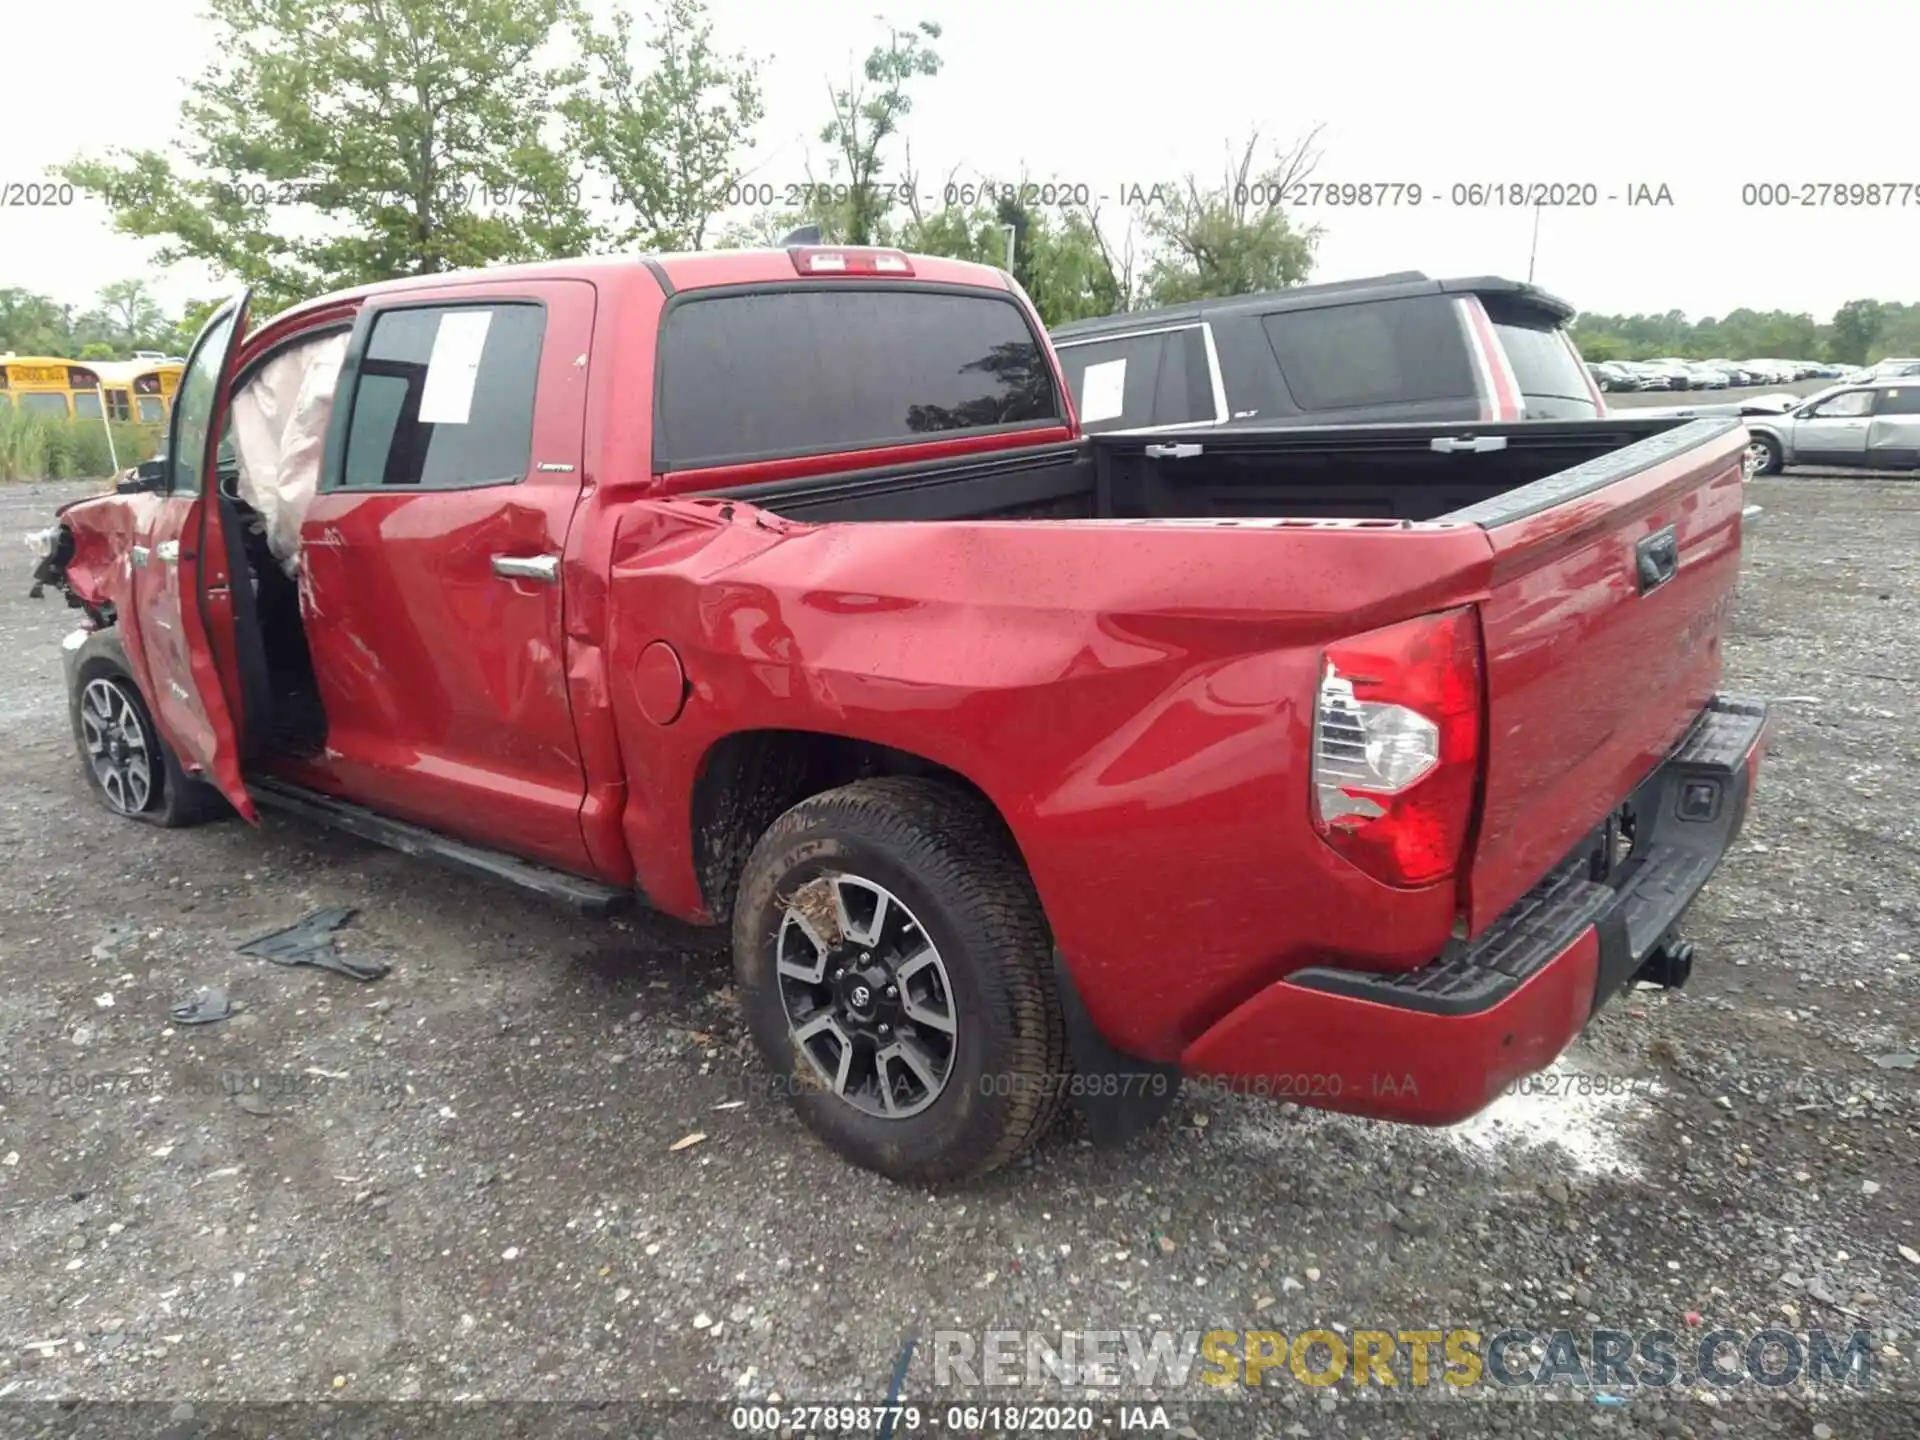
x: 1702, y: 97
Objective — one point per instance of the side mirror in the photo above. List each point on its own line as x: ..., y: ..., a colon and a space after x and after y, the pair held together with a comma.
x: 149, y: 477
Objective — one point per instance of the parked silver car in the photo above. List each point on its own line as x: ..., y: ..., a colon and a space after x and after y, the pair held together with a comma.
x: 1891, y: 368
x: 1871, y: 427
x: 1772, y: 372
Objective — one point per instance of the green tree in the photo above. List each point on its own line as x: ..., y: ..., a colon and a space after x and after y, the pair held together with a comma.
x: 132, y: 311
x: 761, y: 229
x: 33, y: 324
x: 125, y: 317
x: 1857, y: 327
x: 1058, y: 257
x: 1739, y: 335
x: 867, y: 114
x: 1596, y: 346
x: 193, y: 318
x: 1232, y: 238
x: 411, y: 136
x: 671, y: 138
x: 1899, y: 331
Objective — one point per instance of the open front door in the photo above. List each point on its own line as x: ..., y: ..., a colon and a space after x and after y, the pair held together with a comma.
x: 181, y: 578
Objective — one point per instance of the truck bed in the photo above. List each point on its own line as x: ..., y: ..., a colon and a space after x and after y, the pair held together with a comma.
x: 1599, y: 557
x: 1370, y: 472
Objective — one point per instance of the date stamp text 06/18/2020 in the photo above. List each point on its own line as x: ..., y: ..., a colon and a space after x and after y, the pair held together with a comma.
x: 1296, y: 194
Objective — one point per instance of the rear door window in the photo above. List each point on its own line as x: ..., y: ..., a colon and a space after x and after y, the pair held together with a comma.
x: 1161, y: 377
x: 1372, y: 353
x: 824, y: 369
x: 1549, y: 372
x: 1900, y: 400
x: 1114, y: 381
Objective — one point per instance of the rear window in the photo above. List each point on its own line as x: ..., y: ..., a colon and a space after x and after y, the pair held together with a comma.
x: 1376, y: 352
x: 1546, y: 366
x: 828, y: 369
x: 1160, y: 378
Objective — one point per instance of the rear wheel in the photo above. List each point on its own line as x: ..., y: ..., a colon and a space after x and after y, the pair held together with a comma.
x: 897, y: 973
x: 129, y: 767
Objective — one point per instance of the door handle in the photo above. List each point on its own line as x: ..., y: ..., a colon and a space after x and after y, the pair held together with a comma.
x: 544, y: 568
x: 1656, y: 558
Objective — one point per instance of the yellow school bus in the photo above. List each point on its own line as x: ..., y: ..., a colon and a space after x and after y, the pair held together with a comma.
x: 45, y: 385
x: 139, y: 390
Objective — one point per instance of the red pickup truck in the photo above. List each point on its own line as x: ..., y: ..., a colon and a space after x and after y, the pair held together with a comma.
x: 780, y: 590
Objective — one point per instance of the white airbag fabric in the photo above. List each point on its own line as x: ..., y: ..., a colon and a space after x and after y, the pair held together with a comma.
x: 279, y: 432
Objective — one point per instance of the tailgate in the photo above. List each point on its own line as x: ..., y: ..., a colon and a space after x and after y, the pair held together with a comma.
x: 1610, y: 588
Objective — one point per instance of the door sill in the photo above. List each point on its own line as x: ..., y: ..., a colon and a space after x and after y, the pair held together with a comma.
x: 579, y: 894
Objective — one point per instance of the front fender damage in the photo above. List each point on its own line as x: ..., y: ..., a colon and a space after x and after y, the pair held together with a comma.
x: 80, y: 556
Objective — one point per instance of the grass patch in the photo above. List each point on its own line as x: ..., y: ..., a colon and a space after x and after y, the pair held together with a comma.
x: 47, y: 447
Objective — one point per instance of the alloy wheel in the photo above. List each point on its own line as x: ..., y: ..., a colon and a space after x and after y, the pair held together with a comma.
x: 116, y: 742
x: 868, y: 998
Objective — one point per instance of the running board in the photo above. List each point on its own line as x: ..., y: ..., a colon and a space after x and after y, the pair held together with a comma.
x: 585, y: 897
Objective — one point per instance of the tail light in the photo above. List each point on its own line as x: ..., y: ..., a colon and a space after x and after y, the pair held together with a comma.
x: 852, y: 260
x: 1396, y: 747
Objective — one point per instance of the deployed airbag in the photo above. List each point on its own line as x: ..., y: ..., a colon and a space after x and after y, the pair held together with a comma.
x: 279, y: 432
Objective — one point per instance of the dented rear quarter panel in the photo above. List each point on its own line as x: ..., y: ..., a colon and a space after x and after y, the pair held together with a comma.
x: 1134, y: 697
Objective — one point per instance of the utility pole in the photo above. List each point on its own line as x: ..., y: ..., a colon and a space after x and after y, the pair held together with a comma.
x: 1532, y: 253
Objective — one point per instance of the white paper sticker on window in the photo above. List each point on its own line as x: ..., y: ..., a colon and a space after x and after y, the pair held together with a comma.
x: 447, y: 397
x: 1101, y: 389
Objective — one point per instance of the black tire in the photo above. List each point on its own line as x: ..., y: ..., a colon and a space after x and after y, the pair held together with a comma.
x: 1773, y: 461
x: 172, y: 797
x: 947, y: 857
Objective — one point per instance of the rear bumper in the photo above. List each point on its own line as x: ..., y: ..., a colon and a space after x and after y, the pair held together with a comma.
x: 1437, y: 1044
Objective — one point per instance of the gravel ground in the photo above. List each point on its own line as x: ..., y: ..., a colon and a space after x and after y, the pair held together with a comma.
x: 462, y: 1181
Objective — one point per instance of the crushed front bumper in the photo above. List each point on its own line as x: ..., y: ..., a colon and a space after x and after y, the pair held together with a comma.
x: 1437, y: 1044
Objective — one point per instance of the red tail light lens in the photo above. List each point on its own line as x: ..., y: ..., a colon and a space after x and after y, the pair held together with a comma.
x: 1396, y: 747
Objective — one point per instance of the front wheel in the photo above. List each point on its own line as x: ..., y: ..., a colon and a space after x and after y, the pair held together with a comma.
x: 128, y: 765
x: 896, y: 970
x: 1763, y: 456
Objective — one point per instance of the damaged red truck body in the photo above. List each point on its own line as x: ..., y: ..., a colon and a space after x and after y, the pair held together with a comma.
x: 1355, y: 765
